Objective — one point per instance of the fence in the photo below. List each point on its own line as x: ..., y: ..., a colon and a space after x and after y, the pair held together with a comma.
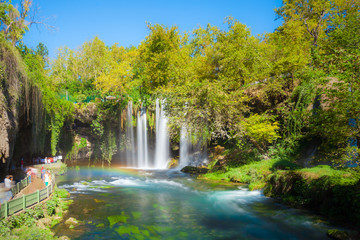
x: 20, y: 186
x: 10, y: 207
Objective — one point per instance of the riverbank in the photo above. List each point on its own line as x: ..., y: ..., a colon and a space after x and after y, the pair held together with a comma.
x: 332, y: 193
x: 36, y: 222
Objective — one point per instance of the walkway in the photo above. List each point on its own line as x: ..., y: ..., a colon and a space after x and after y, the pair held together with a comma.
x: 36, y: 184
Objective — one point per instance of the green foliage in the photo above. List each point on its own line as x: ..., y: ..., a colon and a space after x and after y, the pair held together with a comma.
x: 51, y: 206
x: 256, y: 93
x: 261, y: 129
x: 34, y: 233
x: 333, y: 193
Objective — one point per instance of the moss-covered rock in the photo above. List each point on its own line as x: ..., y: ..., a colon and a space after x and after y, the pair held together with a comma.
x: 194, y: 170
x: 72, y: 222
x: 338, y: 234
x: 173, y: 163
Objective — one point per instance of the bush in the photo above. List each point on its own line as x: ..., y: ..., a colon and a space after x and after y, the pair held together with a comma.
x: 51, y: 206
x: 61, y: 193
x: 37, y: 212
x: 34, y: 233
x: 4, y: 228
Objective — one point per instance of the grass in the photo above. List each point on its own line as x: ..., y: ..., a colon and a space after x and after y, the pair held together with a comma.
x: 253, y: 174
x: 256, y: 173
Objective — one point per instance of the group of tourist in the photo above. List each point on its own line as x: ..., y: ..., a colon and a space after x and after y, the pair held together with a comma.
x: 45, y: 174
x: 46, y: 160
x: 31, y: 173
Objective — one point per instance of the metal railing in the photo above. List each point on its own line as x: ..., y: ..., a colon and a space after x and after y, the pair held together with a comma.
x: 18, y: 204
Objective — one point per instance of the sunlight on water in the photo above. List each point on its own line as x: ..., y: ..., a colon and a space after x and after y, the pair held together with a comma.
x: 130, y: 204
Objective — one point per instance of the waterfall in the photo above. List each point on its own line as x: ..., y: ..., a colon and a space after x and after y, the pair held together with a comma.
x: 184, y: 147
x: 146, y: 155
x: 130, y: 146
x: 142, y: 142
x: 162, y: 137
x: 137, y: 151
x: 140, y: 148
x: 192, y: 154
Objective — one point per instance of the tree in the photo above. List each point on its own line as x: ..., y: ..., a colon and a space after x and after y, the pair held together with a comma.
x: 312, y: 15
x: 119, y: 76
x: 14, y: 22
x: 156, y: 68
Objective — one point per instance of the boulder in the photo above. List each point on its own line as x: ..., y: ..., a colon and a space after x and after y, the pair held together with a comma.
x: 64, y: 238
x: 44, y: 222
x: 194, y: 170
x: 72, y: 221
x: 173, y: 163
x: 338, y: 234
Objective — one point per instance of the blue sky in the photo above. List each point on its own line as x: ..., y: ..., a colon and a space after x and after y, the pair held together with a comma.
x: 124, y: 22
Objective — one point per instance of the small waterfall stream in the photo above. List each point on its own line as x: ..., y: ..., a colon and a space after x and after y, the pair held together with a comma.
x: 193, y: 154
x: 184, y: 147
x: 130, y: 149
x: 162, y: 137
x: 142, y: 141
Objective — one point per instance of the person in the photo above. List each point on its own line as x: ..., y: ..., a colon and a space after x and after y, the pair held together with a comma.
x: 22, y: 164
x: 29, y: 174
x: 46, y: 178
x: 7, y: 181
x: 42, y: 173
x: 50, y: 177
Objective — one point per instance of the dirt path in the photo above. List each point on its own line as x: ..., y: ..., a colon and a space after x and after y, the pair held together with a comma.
x: 36, y: 184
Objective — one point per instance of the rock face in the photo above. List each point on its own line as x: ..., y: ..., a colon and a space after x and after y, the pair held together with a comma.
x: 194, y: 170
x: 12, y: 79
x: 22, y: 117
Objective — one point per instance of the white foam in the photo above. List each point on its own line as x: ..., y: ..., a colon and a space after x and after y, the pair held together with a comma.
x: 167, y: 183
x: 126, y: 182
x: 235, y: 201
x: 83, y: 186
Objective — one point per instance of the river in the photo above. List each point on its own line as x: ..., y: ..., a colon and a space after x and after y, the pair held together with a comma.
x: 137, y: 204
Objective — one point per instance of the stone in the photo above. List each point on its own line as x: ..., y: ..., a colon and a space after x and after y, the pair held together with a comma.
x: 64, y: 238
x: 194, y: 170
x: 173, y: 163
x: 338, y: 234
x: 72, y: 221
x: 44, y: 222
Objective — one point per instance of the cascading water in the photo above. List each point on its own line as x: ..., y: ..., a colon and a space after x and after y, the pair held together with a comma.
x: 130, y: 147
x: 138, y: 155
x: 184, y: 147
x: 162, y: 137
x: 142, y: 143
x: 191, y: 154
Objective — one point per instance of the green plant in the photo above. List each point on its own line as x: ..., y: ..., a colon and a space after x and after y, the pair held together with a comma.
x: 51, y: 206
x: 5, y: 228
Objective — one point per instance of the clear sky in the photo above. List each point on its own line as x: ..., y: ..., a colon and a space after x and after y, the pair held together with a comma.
x: 124, y: 22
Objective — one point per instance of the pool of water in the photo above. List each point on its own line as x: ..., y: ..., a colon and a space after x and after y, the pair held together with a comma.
x: 129, y: 204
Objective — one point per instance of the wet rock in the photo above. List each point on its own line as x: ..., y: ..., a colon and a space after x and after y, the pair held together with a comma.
x: 44, y: 222
x: 72, y: 222
x: 219, y: 150
x: 194, y: 170
x: 173, y: 163
x: 338, y: 234
x: 64, y: 238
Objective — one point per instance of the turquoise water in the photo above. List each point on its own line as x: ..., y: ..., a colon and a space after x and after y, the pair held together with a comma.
x: 113, y: 204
